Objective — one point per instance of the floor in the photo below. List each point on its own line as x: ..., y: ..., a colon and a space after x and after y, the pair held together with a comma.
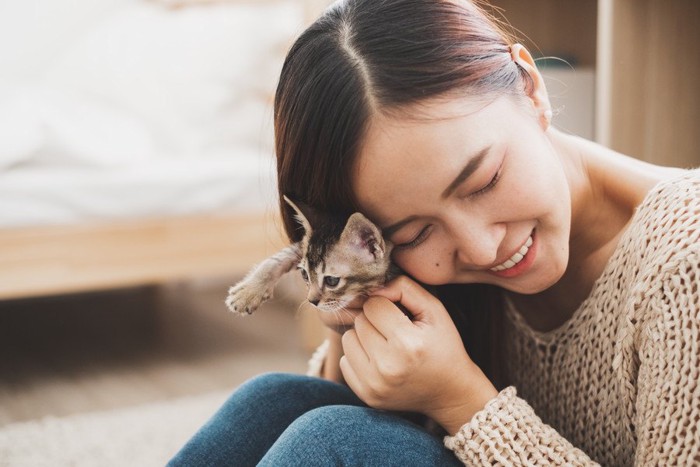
x: 98, y: 351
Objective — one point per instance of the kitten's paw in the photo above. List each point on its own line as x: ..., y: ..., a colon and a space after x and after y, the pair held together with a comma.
x: 244, y: 299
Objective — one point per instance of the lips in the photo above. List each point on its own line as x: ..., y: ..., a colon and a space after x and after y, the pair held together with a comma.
x: 516, y: 257
x: 522, y: 264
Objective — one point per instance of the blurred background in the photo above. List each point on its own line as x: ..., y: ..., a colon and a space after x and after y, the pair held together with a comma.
x: 137, y: 184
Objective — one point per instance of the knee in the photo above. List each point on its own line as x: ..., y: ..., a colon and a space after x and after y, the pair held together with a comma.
x: 308, y: 390
x: 324, y: 421
x: 270, y: 380
x: 272, y: 384
x: 326, y: 428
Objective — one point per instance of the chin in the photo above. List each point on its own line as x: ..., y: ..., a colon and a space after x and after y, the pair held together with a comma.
x: 529, y: 284
x: 527, y: 289
x: 540, y: 282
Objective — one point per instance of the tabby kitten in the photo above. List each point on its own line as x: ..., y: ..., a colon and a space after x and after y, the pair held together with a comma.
x: 340, y: 259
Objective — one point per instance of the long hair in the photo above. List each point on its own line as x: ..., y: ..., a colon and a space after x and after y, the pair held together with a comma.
x: 364, y: 57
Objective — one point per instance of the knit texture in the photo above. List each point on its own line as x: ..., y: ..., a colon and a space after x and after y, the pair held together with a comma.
x: 619, y: 382
x: 315, y: 365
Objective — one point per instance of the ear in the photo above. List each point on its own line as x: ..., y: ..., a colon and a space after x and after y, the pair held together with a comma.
x: 299, y: 216
x: 361, y: 235
x: 538, y: 94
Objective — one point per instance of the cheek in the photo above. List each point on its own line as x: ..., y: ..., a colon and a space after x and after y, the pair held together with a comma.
x: 433, y: 268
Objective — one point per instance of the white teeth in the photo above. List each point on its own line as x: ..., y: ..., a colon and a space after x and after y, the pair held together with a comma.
x: 516, y: 258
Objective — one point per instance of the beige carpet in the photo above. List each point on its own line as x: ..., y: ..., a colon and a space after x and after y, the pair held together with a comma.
x: 146, y: 435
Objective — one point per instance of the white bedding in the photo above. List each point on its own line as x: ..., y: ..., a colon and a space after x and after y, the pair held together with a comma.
x: 121, y: 109
x: 38, y: 196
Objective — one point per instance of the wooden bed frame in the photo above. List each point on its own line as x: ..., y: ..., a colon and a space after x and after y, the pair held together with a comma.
x: 42, y: 261
x: 77, y: 258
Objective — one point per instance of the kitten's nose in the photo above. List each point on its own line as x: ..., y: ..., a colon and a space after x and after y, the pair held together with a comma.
x: 315, y: 301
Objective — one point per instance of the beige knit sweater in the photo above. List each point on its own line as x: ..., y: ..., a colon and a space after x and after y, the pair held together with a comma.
x: 619, y: 383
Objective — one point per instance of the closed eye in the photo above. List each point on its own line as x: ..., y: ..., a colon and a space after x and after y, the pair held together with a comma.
x: 420, y: 238
x: 490, y: 185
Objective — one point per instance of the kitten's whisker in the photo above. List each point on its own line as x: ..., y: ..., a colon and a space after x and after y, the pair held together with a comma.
x: 347, y: 312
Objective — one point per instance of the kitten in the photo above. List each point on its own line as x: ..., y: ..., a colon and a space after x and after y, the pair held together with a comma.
x: 340, y: 259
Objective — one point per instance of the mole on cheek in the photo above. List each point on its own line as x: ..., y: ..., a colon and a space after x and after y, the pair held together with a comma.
x: 437, y: 265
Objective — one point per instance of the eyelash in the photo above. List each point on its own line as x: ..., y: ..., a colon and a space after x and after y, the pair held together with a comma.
x: 490, y: 185
x: 416, y: 241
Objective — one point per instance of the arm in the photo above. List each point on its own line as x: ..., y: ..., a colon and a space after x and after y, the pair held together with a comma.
x: 508, y: 432
x: 325, y: 362
x: 331, y: 368
x: 668, y: 402
x: 664, y: 407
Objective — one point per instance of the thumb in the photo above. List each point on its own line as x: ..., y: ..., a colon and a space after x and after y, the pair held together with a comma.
x: 403, y: 290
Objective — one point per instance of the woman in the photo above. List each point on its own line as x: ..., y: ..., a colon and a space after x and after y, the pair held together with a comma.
x: 574, y: 270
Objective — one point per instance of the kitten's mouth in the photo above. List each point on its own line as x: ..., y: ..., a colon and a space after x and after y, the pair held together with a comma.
x: 340, y: 305
x: 337, y: 316
x: 331, y: 306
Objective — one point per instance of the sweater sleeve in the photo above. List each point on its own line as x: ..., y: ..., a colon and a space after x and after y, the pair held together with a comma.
x: 507, y: 432
x: 315, y: 365
x: 668, y: 402
x: 666, y: 413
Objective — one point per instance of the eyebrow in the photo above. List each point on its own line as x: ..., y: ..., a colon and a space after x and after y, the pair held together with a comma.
x: 471, y: 167
x: 389, y: 231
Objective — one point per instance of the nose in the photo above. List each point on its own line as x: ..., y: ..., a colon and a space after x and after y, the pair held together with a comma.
x: 314, y: 294
x: 477, y: 247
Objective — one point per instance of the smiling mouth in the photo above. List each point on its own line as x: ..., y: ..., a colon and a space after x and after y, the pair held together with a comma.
x: 516, y: 258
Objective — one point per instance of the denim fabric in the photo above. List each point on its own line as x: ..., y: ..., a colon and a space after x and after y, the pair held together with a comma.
x: 291, y: 420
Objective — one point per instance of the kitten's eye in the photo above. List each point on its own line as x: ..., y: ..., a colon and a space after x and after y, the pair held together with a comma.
x: 331, y: 281
x: 304, y: 274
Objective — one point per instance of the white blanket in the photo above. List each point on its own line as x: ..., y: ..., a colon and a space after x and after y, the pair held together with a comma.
x: 127, y: 108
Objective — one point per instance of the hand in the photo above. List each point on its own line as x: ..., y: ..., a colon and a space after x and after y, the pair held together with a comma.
x: 394, y: 363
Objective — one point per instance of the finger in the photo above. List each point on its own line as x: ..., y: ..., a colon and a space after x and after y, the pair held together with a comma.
x: 350, y: 376
x: 410, y: 294
x: 352, y: 347
x: 372, y: 340
x: 386, y: 317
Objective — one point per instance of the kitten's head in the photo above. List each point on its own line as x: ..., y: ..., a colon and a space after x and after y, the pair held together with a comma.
x: 343, y: 258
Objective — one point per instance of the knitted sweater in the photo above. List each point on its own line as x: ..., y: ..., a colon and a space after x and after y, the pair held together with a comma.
x: 619, y: 382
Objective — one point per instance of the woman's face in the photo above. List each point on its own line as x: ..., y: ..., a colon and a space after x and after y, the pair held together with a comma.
x: 469, y: 192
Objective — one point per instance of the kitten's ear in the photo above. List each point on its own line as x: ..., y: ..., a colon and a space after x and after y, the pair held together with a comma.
x: 363, y: 236
x: 300, y: 217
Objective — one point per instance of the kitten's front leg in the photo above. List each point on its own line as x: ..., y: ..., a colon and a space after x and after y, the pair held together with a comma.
x: 257, y: 287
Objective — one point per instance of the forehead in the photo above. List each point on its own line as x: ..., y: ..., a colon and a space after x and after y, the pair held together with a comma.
x: 330, y: 259
x: 405, y: 158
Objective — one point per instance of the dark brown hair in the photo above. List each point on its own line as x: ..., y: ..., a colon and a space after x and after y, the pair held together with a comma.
x: 364, y: 57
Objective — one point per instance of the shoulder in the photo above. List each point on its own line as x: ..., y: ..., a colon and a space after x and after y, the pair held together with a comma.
x: 661, y: 244
x: 668, y: 220
x: 681, y: 190
x: 668, y: 247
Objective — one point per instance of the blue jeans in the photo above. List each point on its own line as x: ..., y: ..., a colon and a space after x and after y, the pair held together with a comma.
x: 291, y: 420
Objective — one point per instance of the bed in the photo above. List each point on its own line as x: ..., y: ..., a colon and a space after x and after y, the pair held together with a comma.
x: 137, y: 140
